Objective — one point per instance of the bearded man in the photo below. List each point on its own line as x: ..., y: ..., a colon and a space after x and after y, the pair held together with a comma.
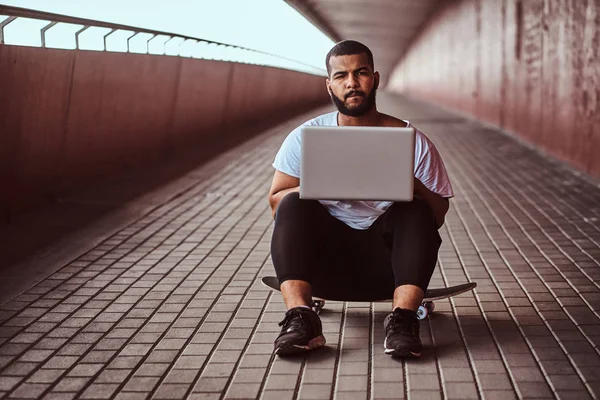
x: 355, y: 249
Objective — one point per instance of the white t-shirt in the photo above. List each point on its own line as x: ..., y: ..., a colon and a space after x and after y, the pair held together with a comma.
x: 428, y: 168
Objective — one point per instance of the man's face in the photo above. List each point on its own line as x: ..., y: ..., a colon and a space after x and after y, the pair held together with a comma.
x: 352, y: 84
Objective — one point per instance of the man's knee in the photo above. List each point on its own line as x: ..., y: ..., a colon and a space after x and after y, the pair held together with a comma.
x: 292, y: 204
x: 415, y: 210
x: 290, y: 200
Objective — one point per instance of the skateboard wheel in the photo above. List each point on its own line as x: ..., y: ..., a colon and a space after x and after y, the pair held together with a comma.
x: 422, y: 312
x: 318, y: 305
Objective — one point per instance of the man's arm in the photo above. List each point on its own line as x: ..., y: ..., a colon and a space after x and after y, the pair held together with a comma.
x: 438, y: 204
x: 282, y: 185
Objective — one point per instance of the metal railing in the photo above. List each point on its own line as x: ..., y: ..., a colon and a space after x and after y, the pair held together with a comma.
x: 173, y: 45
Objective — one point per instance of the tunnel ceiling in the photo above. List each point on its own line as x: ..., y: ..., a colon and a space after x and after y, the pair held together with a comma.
x: 385, y: 26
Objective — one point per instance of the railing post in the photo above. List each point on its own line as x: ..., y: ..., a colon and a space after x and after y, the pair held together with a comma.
x: 77, y: 35
x: 113, y: 30
x: 148, y: 43
x: 179, y: 48
x: 43, y: 32
x: 154, y: 37
x: 2, y: 25
x: 129, y: 39
x: 165, y: 45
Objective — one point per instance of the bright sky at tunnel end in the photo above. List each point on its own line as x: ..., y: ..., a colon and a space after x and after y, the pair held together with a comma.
x: 267, y: 25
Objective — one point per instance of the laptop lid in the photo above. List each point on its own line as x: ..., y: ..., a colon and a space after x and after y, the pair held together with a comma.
x: 357, y: 163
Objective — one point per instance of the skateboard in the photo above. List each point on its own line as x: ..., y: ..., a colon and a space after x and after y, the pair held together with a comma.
x: 426, y: 308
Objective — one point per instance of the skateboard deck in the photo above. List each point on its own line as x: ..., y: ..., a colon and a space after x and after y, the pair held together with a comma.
x: 426, y: 307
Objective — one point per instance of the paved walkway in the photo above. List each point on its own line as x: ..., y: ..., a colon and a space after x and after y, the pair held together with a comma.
x: 168, y: 306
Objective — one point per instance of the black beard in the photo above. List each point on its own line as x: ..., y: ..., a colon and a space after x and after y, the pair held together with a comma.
x: 364, y: 108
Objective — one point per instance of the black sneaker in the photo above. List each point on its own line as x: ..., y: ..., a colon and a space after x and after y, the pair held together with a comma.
x: 301, y: 331
x: 401, y: 329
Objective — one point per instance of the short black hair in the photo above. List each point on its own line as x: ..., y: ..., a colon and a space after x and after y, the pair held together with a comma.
x: 346, y: 48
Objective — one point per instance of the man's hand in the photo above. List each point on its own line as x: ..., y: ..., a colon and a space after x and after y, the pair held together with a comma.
x: 438, y: 204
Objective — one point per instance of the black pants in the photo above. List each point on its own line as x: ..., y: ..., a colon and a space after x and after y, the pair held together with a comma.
x: 342, y: 263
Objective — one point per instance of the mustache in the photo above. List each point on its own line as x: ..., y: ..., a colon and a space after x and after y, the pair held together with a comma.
x: 354, y: 93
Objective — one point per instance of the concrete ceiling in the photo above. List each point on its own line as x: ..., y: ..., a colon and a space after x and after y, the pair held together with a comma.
x: 385, y: 26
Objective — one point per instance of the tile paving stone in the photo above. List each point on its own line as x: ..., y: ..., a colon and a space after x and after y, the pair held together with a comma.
x: 13, y: 349
x: 60, y: 362
x: 190, y: 362
x: 390, y: 374
x: 457, y: 375
x: 351, y: 383
x: 177, y: 274
x: 455, y: 390
x: 424, y: 395
x: 125, y: 362
x: 573, y: 395
x: 422, y: 382
x: 45, y: 376
x: 277, y: 394
x: 218, y: 370
x: 500, y: 395
x: 242, y: 391
x: 353, y: 367
x: 388, y: 390
x: 181, y: 376
x: 251, y: 375
x: 99, y: 391
x: 256, y: 348
x: 281, y: 382
x: 525, y: 360
x: 534, y: 389
x: 111, y: 376
x: 566, y: 382
x: 83, y: 370
x: 255, y: 360
x: 315, y: 391
x: 591, y: 373
x: 350, y: 395
x: 59, y: 396
x: 131, y: 396
x: 9, y: 382
x: 494, y: 382
x: 211, y: 384
x: 595, y: 388
x: 586, y: 359
x: 70, y: 384
x: 170, y: 391
x: 204, y: 396
x: 20, y: 368
x: 532, y: 374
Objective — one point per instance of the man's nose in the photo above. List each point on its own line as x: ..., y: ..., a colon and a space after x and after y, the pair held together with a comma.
x: 351, y: 82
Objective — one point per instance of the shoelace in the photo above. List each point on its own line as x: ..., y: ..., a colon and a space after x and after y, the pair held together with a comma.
x: 401, y: 325
x: 294, y: 320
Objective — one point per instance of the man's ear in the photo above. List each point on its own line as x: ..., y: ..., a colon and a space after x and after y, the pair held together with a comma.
x: 328, y: 86
x: 376, y: 75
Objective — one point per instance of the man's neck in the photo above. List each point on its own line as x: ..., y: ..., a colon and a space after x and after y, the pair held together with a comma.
x: 372, y: 118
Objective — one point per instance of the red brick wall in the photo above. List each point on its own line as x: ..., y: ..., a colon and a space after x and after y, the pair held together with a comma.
x: 538, y: 78
x: 68, y: 118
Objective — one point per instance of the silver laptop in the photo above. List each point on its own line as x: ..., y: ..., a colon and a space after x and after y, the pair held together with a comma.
x: 357, y: 163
